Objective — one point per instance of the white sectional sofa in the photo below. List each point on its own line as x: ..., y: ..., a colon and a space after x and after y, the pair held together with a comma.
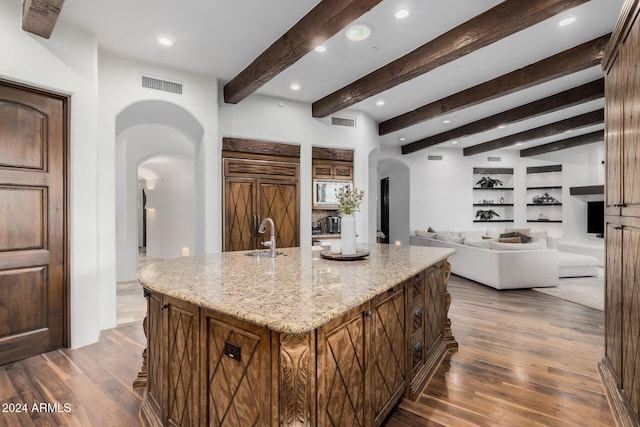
x: 500, y: 269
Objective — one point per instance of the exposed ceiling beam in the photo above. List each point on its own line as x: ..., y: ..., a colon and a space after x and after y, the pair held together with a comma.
x: 578, y: 58
x: 321, y: 23
x: 578, y: 95
x: 40, y: 16
x: 577, y: 122
x: 496, y: 23
x: 576, y: 141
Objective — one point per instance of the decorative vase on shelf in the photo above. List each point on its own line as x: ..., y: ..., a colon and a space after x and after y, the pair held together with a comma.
x: 348, y: 235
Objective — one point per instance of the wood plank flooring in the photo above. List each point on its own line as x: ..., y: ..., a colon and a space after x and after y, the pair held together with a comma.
x: 525, y: 359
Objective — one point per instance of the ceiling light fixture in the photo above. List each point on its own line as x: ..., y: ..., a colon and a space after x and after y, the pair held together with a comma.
x: 454, y: 142
x: 358, y: 32
x: 402, y: 139
x: 402, y: 13
x: 502, y: 126
x: 518, y: 144
x: 567, y: 21
x: 380, y: 102
x: 294, y: 86
x: 164, y: 41
x: 321, y: 48
x: 446, y: 122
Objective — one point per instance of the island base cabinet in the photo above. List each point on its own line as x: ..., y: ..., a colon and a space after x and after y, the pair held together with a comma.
x: 209, y: 369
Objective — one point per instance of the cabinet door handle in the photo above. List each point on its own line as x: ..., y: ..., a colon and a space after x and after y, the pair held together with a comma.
x: 418, y: 277
x: 617, y: 227
x: 164, y: 306
x: 418, y: 346
x: 368, y: 313
x: 392, y: 290
x: 418, y: 311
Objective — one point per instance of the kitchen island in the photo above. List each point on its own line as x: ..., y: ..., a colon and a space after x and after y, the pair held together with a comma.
x: 296, y: 340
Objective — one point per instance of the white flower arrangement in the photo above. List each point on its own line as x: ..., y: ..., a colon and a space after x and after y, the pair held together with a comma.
x: 349, y: 200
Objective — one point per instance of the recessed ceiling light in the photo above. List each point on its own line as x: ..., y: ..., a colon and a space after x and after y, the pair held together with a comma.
x: 502, y: 126
x: 402, y: 13
x: 446, y: 122
x: 321, y: 48
x: 380, y: 102
x: 454, y: 142
x: 294, y: 86
x: 165, y: 41
x: 358, y: 32
x: 402, y: 138
x: 568, y: 131
x: 567, y: 21
x: 518, y: 144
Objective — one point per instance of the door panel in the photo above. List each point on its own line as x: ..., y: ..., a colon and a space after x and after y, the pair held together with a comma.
x: 239, y: 231
x: 279, y: 201
x: 33, y: 308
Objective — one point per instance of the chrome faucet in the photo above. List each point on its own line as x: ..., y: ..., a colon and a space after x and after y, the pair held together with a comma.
x: 271, y: 244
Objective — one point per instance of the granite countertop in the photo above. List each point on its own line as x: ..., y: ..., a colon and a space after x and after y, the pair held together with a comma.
x: 294, y: 293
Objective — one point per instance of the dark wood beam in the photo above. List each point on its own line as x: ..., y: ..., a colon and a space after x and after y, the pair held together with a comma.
x: 321, y: 23
x: 496, y: 23
x: 577, y: 122
x: 40, y: 16
x: 576, y: 141
x: 578, y: 58
x: 569, y: 98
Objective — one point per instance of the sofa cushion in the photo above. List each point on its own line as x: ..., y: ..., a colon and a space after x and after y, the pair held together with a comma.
x: 426, y: 234
x: 518, y: 246
x: 472, y: 235
x: 525, y: 231
x: 484, y: 244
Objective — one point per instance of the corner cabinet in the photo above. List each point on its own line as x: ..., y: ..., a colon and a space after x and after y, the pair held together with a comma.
x: 544, y: 194
x: 620, y: 367
x: 493, y: 201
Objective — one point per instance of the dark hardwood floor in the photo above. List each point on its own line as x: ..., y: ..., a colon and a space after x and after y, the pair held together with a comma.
x: 525, y: 359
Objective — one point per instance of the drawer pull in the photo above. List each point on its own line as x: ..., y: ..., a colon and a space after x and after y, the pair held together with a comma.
x: 418, y: 346
x: 368, y: 313
x: 393, y: 290
x: 418, y: 277
x: 164, y: 306
x: 617, y: 227
x: 418, y: 312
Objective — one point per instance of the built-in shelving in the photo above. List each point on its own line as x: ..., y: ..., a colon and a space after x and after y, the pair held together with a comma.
x: 544, y: 194
x: 498, y: 198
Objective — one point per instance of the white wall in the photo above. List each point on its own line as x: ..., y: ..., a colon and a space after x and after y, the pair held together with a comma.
x: 271, y: 119
x: 67, y: 63
x: 399, y: 199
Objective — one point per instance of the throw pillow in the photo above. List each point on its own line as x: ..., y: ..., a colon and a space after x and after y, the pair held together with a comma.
x: 509, y: 240
x: 526, y: 231
x: 488, y: 238
x: 426, y: 234
x: 431, y: 230
x: 523, y: 237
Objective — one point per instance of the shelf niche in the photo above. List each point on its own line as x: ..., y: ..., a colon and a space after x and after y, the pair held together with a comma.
x: 503, y: 194
x: 547, y: 179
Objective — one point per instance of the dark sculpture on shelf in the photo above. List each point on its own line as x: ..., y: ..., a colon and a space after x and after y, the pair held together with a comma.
x: 544, y: 199
x: 486, y: 215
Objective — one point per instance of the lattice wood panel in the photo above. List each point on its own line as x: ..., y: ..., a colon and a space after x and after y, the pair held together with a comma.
x: 388, y: 335
x: 154, y: 347
x: 433, y: 309
x: 613, y: 135
x: 631, y: 317
x: 236, y: 393
x: 279, y: 201
x: 182, y: 364
x: 239, y: 211
x: 344, y: 375
x: 613, y: 294
x: 631, y: 97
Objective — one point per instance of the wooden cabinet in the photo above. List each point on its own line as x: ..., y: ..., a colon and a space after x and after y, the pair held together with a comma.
x: 254, y: 190
x: 333, y: 170
x: 620, y: 367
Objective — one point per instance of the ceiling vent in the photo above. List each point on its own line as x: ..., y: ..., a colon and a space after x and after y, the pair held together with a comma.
x: 349, y: 122
x: 434, y: 157
x: 163, y: 85
x: 494, y: 159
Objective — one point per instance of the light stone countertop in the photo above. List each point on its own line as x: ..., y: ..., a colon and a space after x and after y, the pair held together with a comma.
x: 294, y: 293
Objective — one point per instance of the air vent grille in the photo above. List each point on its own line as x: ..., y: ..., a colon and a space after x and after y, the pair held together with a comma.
x: 434, y: 157
x: 349, y: 122
x: 163, y: 85
x: 494, y: 159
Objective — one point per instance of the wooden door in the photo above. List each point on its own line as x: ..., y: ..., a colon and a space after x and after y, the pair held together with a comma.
x: 278, y: 200
x: 239, y: 214
x: 631, y: 314
x: 613, y: 295
x: 613, y: 137
x: 33, y: 274
x: 630, y: 57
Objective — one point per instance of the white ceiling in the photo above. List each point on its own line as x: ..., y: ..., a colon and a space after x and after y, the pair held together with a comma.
x: 221, y: 37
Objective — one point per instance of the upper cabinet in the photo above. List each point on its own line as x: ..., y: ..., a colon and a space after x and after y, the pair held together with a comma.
x: 332, y: 170
x: 330, y: 164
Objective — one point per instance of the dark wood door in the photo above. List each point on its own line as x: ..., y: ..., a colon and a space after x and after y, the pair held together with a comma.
x: 33, y: 308
x: 384, y: 208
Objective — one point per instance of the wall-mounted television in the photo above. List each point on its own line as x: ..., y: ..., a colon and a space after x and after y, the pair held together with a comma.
x: 595, y: 218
